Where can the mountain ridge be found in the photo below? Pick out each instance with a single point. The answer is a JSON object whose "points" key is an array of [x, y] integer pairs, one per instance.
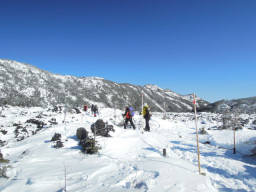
{"points": [[23, 84], [26, 85]]}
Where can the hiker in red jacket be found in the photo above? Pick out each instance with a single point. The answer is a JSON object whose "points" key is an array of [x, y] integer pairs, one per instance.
{"points": [[128, 117], [85, 107]]}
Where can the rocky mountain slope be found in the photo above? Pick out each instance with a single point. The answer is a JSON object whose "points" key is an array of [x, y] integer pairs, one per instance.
{"points": [[25, 85]]}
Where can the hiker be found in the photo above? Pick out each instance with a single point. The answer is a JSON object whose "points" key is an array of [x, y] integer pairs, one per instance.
{"points": [[128, 117], [95, 110], [85, 108], [146, 114], [92, 108]]}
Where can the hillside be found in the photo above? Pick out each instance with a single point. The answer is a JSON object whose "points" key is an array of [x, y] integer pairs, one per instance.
{"points": [[25, 85]]}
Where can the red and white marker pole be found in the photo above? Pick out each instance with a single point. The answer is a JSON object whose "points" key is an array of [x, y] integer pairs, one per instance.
{"points": [[142, 102]]}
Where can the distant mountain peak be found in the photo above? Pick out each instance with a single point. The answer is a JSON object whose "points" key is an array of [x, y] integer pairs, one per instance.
{"points": [[153, 87]]}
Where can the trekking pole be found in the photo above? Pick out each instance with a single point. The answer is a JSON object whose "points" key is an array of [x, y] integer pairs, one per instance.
{"points": [[197, 140]]}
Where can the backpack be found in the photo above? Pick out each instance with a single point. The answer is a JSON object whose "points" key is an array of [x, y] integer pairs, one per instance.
{"points": [[131, 111], [144, 110]]}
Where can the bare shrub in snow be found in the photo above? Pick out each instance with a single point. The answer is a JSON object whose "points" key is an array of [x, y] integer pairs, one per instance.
{"points": [[89, 146], [3, 171], [56, 137]]}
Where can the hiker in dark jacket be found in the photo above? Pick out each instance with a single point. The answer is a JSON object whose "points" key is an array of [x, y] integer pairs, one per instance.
{"points": [[92, 107], [95, 110], [128, 117], [146, 114]]}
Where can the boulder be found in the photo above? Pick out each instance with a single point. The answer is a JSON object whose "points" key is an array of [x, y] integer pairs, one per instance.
{"points": [[102, 129], [81, 133]]}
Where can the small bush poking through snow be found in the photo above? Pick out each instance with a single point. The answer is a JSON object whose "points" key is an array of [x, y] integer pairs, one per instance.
{"points": [[4, 132], [53, 121], [203, 131], [77, 111], [89, 146], [3, 171], [56, 137], [2, 143], [58, 144]]}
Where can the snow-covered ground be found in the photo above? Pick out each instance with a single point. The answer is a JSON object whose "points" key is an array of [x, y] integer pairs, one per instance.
{"points": [[129, 160]]}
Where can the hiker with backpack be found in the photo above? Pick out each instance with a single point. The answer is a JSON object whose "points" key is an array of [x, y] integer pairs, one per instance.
{"points": [[146, 114], [95, 110], [128, 117]]}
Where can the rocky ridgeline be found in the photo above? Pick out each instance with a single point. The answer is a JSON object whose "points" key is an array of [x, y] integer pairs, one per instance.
{"points": [[24, 85], [244, 105]]}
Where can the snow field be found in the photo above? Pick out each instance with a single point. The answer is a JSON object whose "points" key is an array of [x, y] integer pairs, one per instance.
{"points": [[129, 160]]}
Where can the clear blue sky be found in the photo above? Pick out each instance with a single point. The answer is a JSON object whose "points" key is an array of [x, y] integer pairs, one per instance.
{"points": [[202, 46]]}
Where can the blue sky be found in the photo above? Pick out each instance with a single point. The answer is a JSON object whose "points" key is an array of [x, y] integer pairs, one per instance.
{"points": [[202, 46]]}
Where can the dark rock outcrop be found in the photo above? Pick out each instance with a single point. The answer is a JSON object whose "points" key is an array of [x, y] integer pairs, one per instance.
{"points": [[81, 133], [102, 129], [38, 123]]}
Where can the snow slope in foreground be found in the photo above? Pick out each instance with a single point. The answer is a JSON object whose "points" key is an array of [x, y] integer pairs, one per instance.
{"points": [[127, 161]]}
